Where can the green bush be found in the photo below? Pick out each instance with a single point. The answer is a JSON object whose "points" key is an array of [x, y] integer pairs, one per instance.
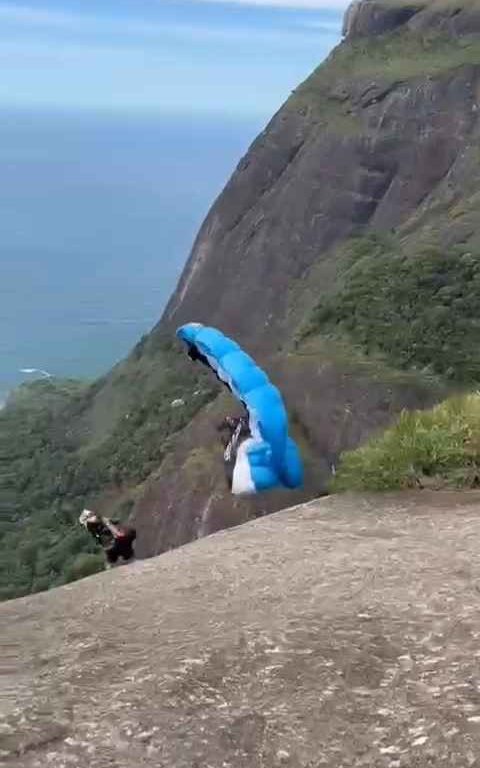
{"points": [[419, 310], [436, 447]]}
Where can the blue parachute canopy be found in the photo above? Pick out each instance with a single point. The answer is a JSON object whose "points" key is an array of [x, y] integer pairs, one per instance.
{"points": [[269, 458]]}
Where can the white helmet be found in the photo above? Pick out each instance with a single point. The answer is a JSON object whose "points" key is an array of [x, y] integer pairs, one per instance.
{"points": [[86, 516]]}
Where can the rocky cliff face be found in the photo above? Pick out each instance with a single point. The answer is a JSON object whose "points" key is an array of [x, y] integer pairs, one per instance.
{"points": [[368, 18], [362, 143], [343, 633]]}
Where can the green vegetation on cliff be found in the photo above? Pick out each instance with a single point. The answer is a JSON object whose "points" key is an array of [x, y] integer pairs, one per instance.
{"points": [[419, 309], [379, 63], [49, 473], [435, 448]]}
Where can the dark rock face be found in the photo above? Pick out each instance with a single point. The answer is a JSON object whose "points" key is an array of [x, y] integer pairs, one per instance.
{"points": [[367, 18], [341, 633], [303, 187], [370, 18], [455, 20]]}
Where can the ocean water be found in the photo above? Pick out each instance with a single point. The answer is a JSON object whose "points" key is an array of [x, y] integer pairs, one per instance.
{"points": [[97, 216]]}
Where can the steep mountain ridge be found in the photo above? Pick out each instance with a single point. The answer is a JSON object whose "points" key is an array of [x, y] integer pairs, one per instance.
{"points": [[380, 142], [382, 137], [362, 142]]}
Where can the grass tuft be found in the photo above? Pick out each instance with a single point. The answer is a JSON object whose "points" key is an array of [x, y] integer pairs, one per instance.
{"points": [[435, 448]]}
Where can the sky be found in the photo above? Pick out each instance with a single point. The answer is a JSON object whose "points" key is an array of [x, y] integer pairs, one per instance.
{"points": [[237, 57]]}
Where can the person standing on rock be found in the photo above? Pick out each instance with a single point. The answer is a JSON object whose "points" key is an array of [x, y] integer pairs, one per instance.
{"points": [[115, 539]]}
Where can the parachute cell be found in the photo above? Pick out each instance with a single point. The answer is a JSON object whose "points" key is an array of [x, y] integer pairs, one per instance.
{"points": [[269, 457]]}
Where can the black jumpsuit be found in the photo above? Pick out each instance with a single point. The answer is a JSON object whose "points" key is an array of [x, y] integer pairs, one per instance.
{"points": [[114, 546]]}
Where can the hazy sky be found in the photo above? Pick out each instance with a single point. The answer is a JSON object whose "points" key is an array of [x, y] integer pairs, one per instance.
{"points": [[237, 57]]}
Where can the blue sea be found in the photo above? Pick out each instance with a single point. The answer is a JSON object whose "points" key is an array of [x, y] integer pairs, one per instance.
{"points": [[97, 216]]}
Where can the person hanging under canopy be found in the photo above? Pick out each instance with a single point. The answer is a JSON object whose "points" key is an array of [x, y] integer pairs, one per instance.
{"points": [[259, 454]]}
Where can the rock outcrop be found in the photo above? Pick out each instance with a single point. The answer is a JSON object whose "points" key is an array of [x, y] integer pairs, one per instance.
{"points": [[342, 633], [369, 18]]}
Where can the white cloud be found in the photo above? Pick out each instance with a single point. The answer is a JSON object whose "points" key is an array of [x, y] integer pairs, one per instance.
{"points": [[311, 5], [22, 14], [31, 16], [195, 32], [110, 62]]}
